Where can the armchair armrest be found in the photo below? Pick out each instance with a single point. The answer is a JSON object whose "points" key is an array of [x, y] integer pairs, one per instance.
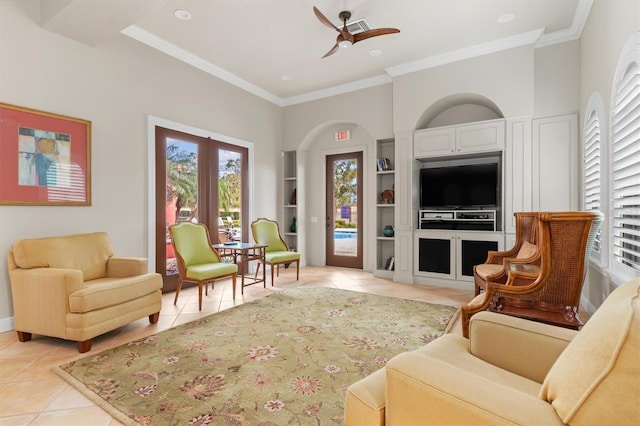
{"points": [[524, 347], [43, 291], [497, 257], [442, 383], [120, 267]]}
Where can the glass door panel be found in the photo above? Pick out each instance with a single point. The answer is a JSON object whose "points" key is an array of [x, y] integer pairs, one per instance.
{"points": [[230, 186], [181, 201], [344, 212]]}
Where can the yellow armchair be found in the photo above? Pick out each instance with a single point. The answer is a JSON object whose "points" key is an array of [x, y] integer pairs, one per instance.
{"points": [[73, 287], [514, 371]]}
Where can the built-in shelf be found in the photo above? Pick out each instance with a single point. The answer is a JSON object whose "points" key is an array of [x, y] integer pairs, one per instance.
{"points": [[289, 187], [385, 211]]}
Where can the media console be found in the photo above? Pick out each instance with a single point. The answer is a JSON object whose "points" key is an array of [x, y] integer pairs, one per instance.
{"points": [[464, 220]]}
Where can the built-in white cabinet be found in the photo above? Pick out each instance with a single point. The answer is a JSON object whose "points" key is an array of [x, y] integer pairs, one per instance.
{"points": [[483, 136], [517, 170], [451, 255], [385, 208], [289, 225], [556, 168]]}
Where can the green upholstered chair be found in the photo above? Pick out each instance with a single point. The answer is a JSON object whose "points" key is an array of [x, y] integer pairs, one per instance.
{"points": [[277, 252], [198, 261]]}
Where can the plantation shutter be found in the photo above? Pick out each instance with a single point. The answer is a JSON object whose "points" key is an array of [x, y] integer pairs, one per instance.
{"points": [[592, 170], [625, 163]]}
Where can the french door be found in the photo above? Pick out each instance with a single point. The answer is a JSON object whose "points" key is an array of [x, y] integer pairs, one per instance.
{"points": [[199, 180], [344, 210]]}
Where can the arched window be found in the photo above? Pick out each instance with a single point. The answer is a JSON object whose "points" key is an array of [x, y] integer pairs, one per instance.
{"points": [[595, 195], [625, 162]]}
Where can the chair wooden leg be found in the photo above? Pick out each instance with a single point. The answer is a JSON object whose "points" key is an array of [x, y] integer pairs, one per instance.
{"points": [[278, 270], [272, 268], [153, 318], [257, 270], [233, 285], [175, 300], [23, 336], [84, 346], [264, 275], [200, 295], [298, 270]]}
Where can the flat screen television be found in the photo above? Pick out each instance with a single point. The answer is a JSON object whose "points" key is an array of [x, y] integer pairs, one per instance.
{"points": [[460, 186]]}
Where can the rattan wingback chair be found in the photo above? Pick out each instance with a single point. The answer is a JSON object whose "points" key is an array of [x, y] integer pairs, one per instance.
{"points": [[550, 293], [523, 251]]}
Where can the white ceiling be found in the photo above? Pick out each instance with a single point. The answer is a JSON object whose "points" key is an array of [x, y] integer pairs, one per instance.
{"points": [[254, 43]]}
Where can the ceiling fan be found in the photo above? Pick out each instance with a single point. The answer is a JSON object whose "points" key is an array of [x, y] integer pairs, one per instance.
{"points": [[345, 38]]}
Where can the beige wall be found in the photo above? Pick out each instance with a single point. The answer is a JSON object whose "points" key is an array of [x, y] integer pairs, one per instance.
{"points": [[369, 108], [116, 85], [506, 78], [556, 86]]}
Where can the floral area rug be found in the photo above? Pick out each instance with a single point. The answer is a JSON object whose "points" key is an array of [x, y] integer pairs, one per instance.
{"points": [[284, 359]]}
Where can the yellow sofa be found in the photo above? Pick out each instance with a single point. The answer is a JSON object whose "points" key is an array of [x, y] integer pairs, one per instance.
{"points": [[73, 287], [514, 371]]}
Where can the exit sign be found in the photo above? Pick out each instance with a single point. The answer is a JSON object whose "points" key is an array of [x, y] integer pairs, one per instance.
{"points": [[343, 135]]}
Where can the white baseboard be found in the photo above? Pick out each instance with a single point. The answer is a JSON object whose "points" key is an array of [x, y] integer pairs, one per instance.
{"points": [[6, 324]]}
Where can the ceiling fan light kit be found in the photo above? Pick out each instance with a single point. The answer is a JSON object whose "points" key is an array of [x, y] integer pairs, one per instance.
{"points": [[345, 39]]}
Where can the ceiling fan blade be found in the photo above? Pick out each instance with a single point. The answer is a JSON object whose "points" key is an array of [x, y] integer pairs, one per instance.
{"points": [[331, 52], [373, 33], [324, 19]]}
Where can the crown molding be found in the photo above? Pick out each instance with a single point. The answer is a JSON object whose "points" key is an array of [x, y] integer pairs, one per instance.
{"points": [[171, 49], [574, 32], [536, 37], [338, 90], [467, 53]]}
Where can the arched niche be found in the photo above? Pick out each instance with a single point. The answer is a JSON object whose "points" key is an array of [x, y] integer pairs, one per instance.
{"points": [[457, 109]]}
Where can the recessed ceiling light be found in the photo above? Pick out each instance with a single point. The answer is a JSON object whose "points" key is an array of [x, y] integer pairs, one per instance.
{"points": [[182, 14], [507, 17], [375, 52], [286, 77]]}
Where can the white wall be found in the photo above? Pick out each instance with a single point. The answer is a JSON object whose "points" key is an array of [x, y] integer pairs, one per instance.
{"points": [[116, 85], [609, 27]]}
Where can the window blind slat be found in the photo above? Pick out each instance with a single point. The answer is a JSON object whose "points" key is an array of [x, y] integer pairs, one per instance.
{"points": [[625, 167]]}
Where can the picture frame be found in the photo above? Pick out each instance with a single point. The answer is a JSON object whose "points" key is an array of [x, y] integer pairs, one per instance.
{"points": [[45, 158]]}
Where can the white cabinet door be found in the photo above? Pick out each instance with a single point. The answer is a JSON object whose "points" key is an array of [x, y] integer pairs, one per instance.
{"points": [[451, 254], [472, 249], [434, 142], [480, 137], [434, 254], [555, 163], [517, 170], [483, 136]]}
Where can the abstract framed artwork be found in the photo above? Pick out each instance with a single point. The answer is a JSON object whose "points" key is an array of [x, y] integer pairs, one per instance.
{"points": [[45, 158]]}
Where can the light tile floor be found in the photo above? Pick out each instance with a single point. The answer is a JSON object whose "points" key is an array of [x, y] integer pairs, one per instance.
{"points": [[30, 394]]}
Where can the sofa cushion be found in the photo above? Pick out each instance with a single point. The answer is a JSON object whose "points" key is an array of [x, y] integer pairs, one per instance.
{"points": [[86, 252], [105, 292], [596, 379]]}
